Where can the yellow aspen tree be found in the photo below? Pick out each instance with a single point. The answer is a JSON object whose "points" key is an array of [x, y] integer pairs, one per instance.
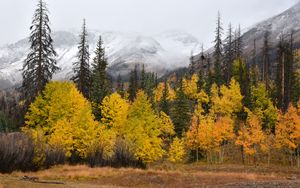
{"points": [[190, 87], [142, 130], [223, 132], [226, 100], [166, 126], [177, 151], [114, 111], [59, 112], [251, 136], [158, 92], [287, 131]]}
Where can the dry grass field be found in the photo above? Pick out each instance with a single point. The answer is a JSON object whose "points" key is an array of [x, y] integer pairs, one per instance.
{"points": [[157, 176]]}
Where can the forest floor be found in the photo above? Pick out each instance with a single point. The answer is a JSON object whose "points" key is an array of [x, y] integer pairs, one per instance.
{"points": [[192, 175]]}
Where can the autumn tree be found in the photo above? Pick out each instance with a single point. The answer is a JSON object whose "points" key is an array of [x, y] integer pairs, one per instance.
{"points": [[177, 151], [262, 106], [62, 118], [251, 137], [40, 64], [227, 100], [114, 110], [287, 131], [142, 130]]}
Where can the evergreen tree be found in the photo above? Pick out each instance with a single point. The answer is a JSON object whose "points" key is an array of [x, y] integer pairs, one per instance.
{"points": [[218, 53], [164, 103], [280, 79], [82, 77], [238, 44], [133, 84], [266, 60], [143, 78], [192, 65], [254, 71], [100, 84], [120, 86], [40, 64], [229, 55], [181, 111]]}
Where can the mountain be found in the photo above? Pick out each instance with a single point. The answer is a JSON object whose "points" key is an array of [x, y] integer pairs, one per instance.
{"points": [[281, 24], [161, 53]]}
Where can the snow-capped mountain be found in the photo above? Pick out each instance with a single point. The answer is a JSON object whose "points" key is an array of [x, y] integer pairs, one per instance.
{"points": [[160, 53], [281, 24]]}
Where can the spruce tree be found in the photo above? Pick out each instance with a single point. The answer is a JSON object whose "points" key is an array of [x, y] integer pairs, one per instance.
{"points": [[238, 44], [181, 114], [100, 84], [229, 55], [40, 64], [266, 60], [192, 65], [82, 73], [133, 84], [164, 103], [143, 78], [218, 53]]}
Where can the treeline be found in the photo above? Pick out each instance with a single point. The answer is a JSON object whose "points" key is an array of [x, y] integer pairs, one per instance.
{"points": [[225, 108]]}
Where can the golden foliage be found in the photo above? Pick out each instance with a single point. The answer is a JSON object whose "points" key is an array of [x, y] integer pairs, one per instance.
{"points": [[177, 151], [251, 136]]}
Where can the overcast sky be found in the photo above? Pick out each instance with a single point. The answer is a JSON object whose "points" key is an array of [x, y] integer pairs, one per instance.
{"points": [[145, 16]]}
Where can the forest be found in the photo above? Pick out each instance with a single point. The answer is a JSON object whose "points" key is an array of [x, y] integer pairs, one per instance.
{"points": [[228, 107]]}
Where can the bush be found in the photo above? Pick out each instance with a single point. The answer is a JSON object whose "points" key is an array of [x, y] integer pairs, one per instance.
{"points": [[16, 152]]}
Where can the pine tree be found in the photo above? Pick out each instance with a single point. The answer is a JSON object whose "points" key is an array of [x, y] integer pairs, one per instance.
{"points": [[164, 103], [82, 73], [238, 44], [143, 78], [181, 111], [120, 86], [281, 61], [229, 54], [192, 65], [40, 64], [218, 53], [100, 84], [133, 84]]}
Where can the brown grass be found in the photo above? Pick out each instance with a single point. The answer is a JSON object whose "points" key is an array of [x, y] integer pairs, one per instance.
{"points": [[176, 176]]}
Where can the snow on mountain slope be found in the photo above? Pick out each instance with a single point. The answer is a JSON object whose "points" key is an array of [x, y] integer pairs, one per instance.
{"points": [[160, 53], [280, 24]]}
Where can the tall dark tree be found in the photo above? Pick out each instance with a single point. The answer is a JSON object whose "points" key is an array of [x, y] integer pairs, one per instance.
{"points": [[280, 78], [82, 73], [143, 78], [100, 84], [192, 65], [266, 60], [120, 86], [218, 53], [254, 70], [164, 103], [229, 54], [133, 83], [40, 64], [238, 44], [181, 114]]}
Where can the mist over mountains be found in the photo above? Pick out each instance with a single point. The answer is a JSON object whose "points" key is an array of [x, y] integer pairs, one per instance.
{"points": [[160, 53]]}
